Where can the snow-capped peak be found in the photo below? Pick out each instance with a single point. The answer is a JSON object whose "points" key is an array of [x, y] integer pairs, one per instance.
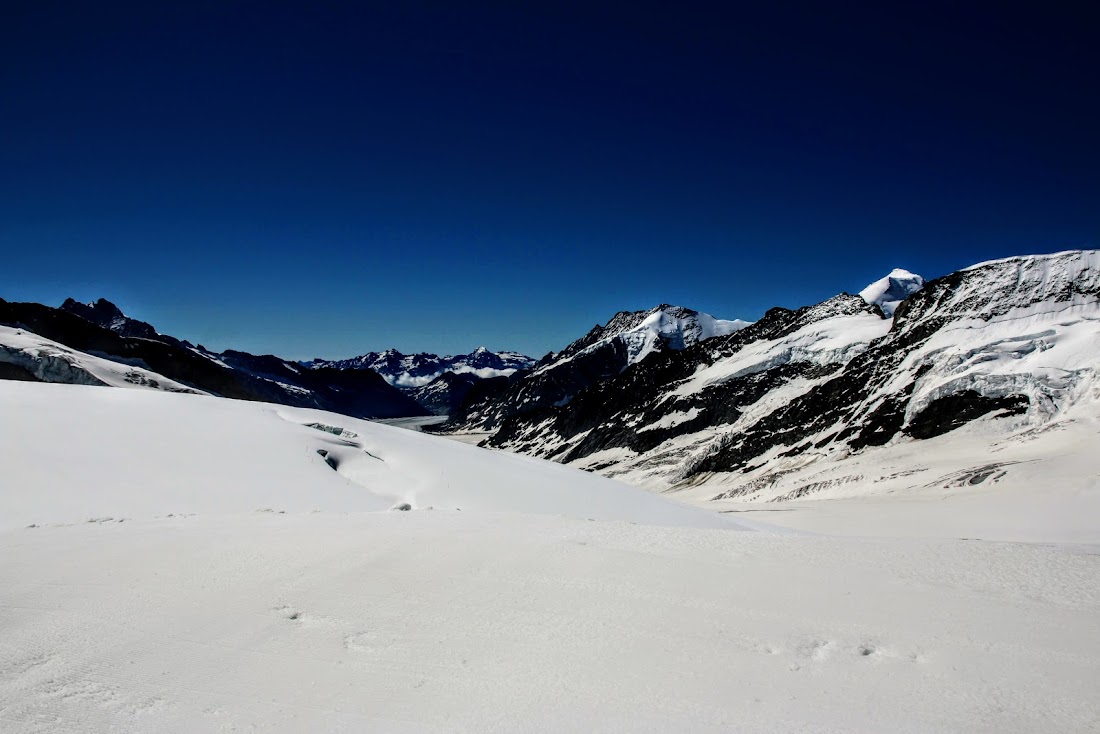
{"points": [[887, 293], [643, 332], [680, 327]]}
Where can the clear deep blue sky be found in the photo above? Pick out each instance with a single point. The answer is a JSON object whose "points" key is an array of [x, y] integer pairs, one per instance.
{"points": [[324, 179]]}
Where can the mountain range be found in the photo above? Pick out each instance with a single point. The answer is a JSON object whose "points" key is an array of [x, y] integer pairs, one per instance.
{"points": [[439, 384], [417, 370], [674, 399], [1004, 348], [79, 343]]}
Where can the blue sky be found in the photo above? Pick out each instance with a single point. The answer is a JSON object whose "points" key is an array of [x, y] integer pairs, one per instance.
{"points": [[325, 179]]}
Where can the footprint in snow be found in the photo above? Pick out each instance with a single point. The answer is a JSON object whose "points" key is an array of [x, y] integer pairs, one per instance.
{"points": [[867, 650], [814, 649], [288, 613], [357, 642]]}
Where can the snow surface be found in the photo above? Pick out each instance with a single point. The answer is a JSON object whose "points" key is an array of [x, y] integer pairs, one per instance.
{"points": [[73, 453], [252, 587], [448, 621], [982, 481]]}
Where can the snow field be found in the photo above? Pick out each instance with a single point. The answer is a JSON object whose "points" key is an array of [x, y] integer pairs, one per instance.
{"points": [[72, 453], [465, 621]]}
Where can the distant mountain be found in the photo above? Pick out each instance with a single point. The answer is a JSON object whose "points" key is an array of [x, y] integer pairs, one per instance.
{"points": [[437, 384], [417, 370], [627, 339], [101, 330], [1002, 348]]}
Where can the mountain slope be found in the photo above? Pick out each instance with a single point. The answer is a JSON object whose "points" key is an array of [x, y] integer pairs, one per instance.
{"points": [[1013, 341], [708, 384], [1011, 337]]}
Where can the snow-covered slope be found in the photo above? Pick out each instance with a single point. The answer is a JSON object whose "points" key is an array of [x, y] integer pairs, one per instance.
{"points": [[417, 370], [195, 565], [1011, 344], [986, 479], [48, 361], [90, 453], [888, 293]]}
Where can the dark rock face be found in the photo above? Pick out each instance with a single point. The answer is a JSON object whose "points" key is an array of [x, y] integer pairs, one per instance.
{"points": [[239, 375], [106, 314], [951, 411], [10, 371]]}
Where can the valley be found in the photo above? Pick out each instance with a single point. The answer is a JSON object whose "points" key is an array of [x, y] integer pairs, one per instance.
{"points": [[830, 519]]}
